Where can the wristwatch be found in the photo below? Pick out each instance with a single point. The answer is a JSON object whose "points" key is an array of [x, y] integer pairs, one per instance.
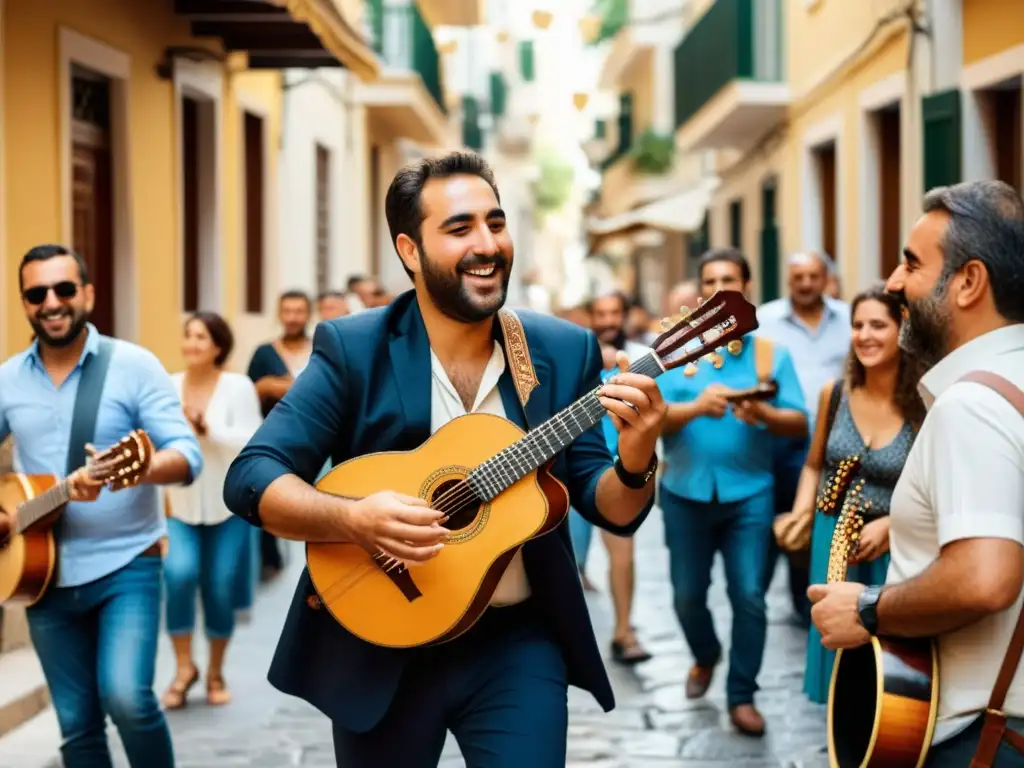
{"points": [[867, 608], [636, 480]]}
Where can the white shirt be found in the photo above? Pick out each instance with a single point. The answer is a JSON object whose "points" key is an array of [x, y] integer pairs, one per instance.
{"points": [[232, 416], [964, 478], [445, 405]]}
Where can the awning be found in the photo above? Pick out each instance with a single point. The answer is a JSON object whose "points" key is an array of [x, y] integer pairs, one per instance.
{"points": [[280, 34], [681, 212]]}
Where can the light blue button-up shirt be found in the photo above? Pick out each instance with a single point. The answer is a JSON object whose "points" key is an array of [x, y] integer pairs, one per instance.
{"points": [[98, 537], [724, 459], [819, 354]]}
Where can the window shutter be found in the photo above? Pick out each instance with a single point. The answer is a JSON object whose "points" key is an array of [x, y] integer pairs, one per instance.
{"points": [[942, 143]]}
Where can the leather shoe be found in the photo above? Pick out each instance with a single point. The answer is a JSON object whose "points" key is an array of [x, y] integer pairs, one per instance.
{"points": [[698, 681], [747, 720]]}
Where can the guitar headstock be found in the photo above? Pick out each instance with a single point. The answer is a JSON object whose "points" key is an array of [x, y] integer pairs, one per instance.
{"points": [[124, 463], [837, 485], [723, 318], [846, 537]]}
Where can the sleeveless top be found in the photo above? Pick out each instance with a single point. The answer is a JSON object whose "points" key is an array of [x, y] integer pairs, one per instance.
{"points": [[880, 468]]}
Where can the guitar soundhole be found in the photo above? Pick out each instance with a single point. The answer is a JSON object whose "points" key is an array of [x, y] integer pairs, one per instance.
{"points": [[853, 715], [455, 497]]}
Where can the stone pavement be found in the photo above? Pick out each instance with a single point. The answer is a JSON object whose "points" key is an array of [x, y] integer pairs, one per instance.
{"points": [[653, 725]]}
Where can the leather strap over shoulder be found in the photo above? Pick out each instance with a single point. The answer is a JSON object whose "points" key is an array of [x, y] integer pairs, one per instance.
{"points": [[994, 729], [518, 354], [763, 354]]}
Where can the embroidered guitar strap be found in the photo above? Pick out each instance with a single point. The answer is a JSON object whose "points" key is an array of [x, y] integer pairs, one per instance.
{"points": [[518, 355]]}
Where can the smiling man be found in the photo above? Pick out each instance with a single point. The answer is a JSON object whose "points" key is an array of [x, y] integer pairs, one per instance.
{"points": [[385, 380], [95, 630], [957, 535]]}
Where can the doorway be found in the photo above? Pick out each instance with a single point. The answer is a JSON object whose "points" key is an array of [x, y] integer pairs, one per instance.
{"points": [[824, 163], [769, 241], [888, 158], [1001, 117], [92, 189]]}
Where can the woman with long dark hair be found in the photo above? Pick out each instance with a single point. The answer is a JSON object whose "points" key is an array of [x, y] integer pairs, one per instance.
{"points": [[873, 413], [208, 546]]}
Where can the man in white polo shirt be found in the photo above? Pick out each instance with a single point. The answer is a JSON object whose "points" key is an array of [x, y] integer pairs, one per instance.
{"points": [[957, 537]]}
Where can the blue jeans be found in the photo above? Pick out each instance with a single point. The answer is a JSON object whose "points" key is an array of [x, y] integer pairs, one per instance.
{"points": [[957, 751], [208, 558], [97, 646], [581, 532], [741, 531]]}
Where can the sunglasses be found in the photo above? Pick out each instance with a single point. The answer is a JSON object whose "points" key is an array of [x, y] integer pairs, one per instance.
{"points": [[37, 294]]}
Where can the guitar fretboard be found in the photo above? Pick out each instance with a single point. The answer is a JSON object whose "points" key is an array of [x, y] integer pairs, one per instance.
{"points": [[32, 511], [541, 444]]}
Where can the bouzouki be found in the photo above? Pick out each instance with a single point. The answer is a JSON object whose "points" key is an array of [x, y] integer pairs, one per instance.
{"points": [[28, 557], [883, 696], [494, 484]]}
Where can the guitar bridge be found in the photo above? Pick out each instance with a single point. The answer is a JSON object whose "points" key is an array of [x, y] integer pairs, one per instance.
{"points": [[399, 574]]}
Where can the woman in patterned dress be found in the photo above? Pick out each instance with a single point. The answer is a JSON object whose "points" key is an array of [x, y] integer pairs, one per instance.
{"points": [[873, 413]]}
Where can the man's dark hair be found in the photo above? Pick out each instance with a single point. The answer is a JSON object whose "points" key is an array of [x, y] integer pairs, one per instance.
{"points": [[731, 255], [220, 333], [986, 224], [616, 294], [403, 204], [333, 293], [295, 294], [356, 280], [47, 252]]}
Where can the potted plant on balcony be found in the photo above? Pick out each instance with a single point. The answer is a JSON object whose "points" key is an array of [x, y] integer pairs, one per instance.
{"points": [[653, 153]]}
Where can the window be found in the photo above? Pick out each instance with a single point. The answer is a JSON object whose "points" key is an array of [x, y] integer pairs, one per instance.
{"points": [[323, 218]]}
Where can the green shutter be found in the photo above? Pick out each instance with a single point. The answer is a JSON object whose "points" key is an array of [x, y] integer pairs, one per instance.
{"points": [[600, 129], [625, 123], [942, 143], [526, 65], [498, 94], [736, 224]]}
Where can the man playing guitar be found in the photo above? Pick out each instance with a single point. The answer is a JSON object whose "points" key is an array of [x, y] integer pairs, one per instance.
{"points": [[95, 631], [957, 535], [386, 379]]}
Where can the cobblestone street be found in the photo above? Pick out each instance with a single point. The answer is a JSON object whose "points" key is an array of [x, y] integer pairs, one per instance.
{"points": [[653, 725]]}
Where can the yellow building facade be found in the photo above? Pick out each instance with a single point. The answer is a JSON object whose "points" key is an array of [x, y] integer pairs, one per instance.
{"points": [[146, 136], [832, 147]]}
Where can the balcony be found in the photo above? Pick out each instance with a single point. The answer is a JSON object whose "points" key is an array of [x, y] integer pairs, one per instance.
{"points": [[730, 83], [407, 100], [453, 13]]}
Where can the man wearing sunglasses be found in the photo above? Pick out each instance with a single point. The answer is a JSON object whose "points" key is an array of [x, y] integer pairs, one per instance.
{"points": [[95, 630]]}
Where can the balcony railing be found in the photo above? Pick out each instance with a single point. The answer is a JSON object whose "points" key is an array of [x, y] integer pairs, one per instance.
{"points": [[472, 134], [402, 38], [734, 40]]}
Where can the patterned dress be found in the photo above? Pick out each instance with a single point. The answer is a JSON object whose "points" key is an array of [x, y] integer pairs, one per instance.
{"points": [[880, 469]]}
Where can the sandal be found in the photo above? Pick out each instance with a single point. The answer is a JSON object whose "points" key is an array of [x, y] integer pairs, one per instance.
{"points": [[176, 696], [217, 693], [629, 653]]}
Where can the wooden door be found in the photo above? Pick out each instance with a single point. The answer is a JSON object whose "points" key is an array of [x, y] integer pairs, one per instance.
{"points": [[92, 200]]}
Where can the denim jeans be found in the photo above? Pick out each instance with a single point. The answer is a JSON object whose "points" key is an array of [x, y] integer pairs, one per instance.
{"points": [[741, 531], [97, 646], [957, 751], [581, 531], [206, 558]]}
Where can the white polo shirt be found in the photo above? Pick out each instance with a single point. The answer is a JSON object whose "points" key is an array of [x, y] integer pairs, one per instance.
{"points": [[964, 478], [445, 405]]}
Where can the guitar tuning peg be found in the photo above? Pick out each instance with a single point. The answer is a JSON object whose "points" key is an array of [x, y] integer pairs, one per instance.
{"points": [[684, 310], [700, 301], [666, 323]]}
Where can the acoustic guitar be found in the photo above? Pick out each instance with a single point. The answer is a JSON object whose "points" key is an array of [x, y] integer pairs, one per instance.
{"points": [[493, 482], [28, 557], [883, 696]]}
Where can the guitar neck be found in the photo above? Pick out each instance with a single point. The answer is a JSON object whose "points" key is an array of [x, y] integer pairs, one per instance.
{"points": [[33, 510], [541, 444]]}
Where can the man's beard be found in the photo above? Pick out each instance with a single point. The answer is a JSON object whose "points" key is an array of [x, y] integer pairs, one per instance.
{"points": [[618, 340], [79, 319], [449, 293], [924, 333]]}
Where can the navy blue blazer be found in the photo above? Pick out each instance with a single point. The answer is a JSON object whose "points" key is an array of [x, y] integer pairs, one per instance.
{"points": [[367, 389]]}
